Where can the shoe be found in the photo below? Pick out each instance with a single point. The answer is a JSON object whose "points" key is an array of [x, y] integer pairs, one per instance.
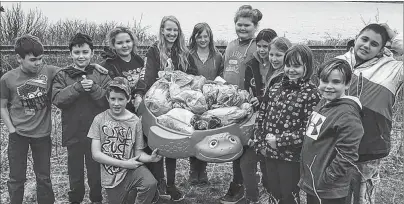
{"points": [[96, 202], [203, 178], [234, 195], [162, 189], [193, 177], [175, 194], [248, 201], [156, 197]]}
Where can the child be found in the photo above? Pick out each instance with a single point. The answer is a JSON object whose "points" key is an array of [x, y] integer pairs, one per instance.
{"points": [[332, 138], [255, 79], [207, 59], [281, 124], [79, 90], [238, 52], [117, 144], [169, 53], [121, 59], [376, 81], [26, 111]]}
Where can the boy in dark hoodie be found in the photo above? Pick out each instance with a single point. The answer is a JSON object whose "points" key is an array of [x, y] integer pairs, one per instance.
{"points": [[333, 134], [79, 91]]}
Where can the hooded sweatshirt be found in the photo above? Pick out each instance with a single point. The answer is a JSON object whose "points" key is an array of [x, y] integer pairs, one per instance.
{"points": [[330, 148], [376, 83], [78, 107]]}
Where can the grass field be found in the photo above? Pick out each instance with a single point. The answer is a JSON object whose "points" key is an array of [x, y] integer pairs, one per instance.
{"points": [[391, 189]]}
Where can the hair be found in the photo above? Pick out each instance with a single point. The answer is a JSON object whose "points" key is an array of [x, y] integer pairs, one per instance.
{"points": [[28, 44], [114, 32], [325, 69], [266, 34], [350, 44], [179, 44], [379, 30], [198, 29], [246, 11], [80, 39], [298, 54], [116, 90], [281, 43]]}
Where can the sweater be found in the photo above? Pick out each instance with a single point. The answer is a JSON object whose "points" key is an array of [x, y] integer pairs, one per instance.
{"points": [[209, 69]]}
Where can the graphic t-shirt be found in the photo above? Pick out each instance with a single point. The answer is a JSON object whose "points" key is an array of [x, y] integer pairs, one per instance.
{"points": [[29, 100], [119, 139]]}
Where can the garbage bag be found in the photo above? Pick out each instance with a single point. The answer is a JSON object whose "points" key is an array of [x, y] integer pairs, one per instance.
{"points": [[174, 124], [198, 82], [157, 99], [227, 115], [205, 122], [180, 114], [195, 100]]}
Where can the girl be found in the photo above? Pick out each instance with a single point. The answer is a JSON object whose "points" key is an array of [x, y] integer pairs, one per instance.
{"points": [[169, 53], [121, 59], [238, 52], [207, 59], [281, 124], [255, 74]]}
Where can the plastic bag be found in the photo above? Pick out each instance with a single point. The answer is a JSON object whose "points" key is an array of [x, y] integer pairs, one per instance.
{"points": [[206, 122], [198, 82], [181, 115], [178, 77], [228, 96], [195, 100], [157, 99], [227, 115], [174, 124], [210, 92]]}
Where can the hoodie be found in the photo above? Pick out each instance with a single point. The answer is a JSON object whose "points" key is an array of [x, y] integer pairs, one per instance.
{"points": [[376, 83], [78, 107], [330, 148]]}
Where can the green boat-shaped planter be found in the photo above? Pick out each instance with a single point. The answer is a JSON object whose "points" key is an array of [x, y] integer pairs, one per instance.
{"points": [[218, 145]]}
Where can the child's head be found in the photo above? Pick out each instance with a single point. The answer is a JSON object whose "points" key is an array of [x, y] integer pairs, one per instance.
{"points": [[118, 95], [29, 52], [298, 62], [370, 42], [246, 21], [263, 39], [335, 76], [81, 50], [277, 50], [202, 37], [350, 44], [122, 41]]}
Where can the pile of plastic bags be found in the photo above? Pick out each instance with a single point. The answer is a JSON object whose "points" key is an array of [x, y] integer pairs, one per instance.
{"points": [[186, 103]]}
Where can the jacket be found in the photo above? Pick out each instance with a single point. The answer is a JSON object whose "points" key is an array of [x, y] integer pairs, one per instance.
{"points": [[78, 106], [330, 148]]}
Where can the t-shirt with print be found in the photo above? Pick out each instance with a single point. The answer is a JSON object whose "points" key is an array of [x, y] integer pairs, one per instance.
{"points": [[237, 54], [28, 98], [119, 139]]}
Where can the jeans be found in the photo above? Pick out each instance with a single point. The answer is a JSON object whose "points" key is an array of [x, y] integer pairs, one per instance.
{"points": [[77, 154], [364, 183], [314, 200], [17, 157], [139, 186]]}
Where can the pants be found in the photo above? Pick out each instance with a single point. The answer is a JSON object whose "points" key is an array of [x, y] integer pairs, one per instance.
{"points": [[197, 165], [139, 186], [17, 157], [248, 163], [283, 177], [77, 153], [314, 200], [364, 183], [157, 168]]}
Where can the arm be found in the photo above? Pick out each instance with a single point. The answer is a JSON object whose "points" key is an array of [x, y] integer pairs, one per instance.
{"points": [[349, 132], [397, 44], [145, 158], [221, 67], [295, 138], [5, 115], [98, 91], [62, 94], [192, 69]]}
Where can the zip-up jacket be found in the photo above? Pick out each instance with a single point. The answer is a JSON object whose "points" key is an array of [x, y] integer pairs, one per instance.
{"points": [[330, 148]]}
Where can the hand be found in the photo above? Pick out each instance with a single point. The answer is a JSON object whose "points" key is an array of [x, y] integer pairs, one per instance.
{"points": [[133, 163], [100, 68], [250, 142], [11, 130], [154, 157], [136, 101], [390, 31], [254, 101], [87, 84], [271, 140]]}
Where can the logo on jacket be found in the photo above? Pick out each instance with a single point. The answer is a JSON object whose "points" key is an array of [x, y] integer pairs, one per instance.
{"points": [[33, 93], [314, 126]]}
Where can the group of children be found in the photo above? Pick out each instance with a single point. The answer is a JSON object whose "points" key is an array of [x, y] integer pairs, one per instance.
{"points": [[326, 140]]}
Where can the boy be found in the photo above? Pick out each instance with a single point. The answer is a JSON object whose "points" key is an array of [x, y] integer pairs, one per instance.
{"points": [[376, 81], [331, 144], [26, 111], [79, 90], [117, 144]]}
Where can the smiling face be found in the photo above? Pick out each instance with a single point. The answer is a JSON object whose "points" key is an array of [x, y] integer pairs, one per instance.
{"points": [[221, 147], [202, 40], [295, 71], [81, 55], [117, 102], [367, 45], [276, 57], [30, 63], [334, 86], [263, 49], [123, 44], [170, 31], [245, 28]]}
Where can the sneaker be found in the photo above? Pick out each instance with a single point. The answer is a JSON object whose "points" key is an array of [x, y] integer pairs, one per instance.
{"points": [[193, 177], [162, 189], [175, 194], [234, 194], [248, 201], [203, 178]]}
